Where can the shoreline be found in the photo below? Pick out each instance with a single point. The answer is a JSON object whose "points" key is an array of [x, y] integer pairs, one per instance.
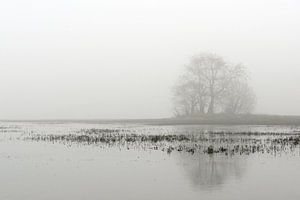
{"points": [[219, 119]]}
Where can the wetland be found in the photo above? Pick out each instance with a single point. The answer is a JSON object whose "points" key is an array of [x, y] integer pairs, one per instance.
{"points": [[72, 160]]}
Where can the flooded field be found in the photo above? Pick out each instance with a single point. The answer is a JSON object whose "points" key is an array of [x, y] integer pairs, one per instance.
{"points": [[68, 160]]}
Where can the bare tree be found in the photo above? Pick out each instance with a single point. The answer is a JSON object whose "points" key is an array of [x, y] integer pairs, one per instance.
{"points": [[209, 84], [185, 97], [240, 99], [210, 70]]}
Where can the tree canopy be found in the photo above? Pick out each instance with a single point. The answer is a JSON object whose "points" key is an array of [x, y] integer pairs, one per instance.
{"points": [[211, 85]]}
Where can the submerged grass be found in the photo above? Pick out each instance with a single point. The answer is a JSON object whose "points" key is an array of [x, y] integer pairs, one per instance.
{"points": [[228, 143]]}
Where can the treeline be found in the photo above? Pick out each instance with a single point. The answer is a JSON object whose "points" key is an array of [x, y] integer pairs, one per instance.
{"points": [[211, 85]]}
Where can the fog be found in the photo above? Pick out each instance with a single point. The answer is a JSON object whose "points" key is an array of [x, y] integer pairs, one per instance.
{"points": [[119, 59]]}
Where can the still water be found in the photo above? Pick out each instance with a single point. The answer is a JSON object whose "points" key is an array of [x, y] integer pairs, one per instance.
{"points": [[50, 170]]}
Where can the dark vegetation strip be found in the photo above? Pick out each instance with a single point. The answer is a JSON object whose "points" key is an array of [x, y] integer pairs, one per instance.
{"points": [[227, 143]]}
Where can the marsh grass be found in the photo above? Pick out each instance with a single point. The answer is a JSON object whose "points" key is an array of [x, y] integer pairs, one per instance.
{"points": [[228, 143]]}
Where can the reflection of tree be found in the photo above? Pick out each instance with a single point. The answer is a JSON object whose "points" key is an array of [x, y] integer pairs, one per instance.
{"points": [[212, 170]]}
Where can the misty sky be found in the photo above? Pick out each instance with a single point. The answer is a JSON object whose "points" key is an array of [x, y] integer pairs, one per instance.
{"points": [[120, 58]]}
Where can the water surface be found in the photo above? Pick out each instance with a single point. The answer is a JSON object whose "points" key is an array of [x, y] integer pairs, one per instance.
{"points": [[54, 170]]}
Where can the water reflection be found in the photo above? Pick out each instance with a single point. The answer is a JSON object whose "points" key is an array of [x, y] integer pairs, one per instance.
{"points": [[212, 171]]}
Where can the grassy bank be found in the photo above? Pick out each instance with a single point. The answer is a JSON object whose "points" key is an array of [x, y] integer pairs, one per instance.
{"points": [[217, 119], [223, 119]]}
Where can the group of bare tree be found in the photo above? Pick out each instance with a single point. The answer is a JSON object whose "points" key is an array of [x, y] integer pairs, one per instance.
{"points": [[211, 85]]}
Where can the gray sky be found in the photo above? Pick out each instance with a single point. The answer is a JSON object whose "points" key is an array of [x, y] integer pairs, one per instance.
{"points": [[119, 59]]}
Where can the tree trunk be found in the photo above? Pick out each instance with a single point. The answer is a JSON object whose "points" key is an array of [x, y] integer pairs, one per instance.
{"points": [[211, 108]]}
